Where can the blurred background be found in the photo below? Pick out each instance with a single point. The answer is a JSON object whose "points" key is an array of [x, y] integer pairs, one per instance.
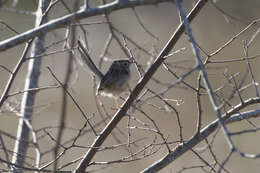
{"points": [[211, 28]]}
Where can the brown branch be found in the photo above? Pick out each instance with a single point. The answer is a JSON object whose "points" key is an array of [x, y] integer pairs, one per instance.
{"points": [[137, 90], [204, 133], [14, 73], [80, 14]]}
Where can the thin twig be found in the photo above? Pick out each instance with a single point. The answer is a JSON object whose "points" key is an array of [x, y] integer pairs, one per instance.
{"points": [[136, 91], [74, 101]]}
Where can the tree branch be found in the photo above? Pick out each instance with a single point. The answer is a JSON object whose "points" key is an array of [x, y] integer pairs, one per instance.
{"points": [[137, 90], [80, 14]]}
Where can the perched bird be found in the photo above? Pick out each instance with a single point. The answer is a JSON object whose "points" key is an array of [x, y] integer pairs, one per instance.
{"points": [[114, 81]]}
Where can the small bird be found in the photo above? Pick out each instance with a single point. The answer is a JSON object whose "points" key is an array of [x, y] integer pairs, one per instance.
{"points": [[115, 80]]}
